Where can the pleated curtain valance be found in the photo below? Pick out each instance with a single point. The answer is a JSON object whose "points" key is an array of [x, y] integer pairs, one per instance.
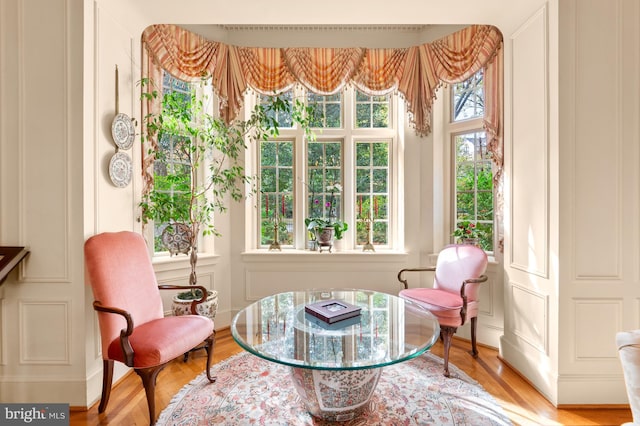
{"points": [[415, 72]]}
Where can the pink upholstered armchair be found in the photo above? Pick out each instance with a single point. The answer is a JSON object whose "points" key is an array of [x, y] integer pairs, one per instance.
{"points": [[453, 299], [133, 327]]}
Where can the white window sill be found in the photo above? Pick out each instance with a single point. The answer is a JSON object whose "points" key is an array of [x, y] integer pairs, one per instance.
{"points": [[166, 262], [343, 256]]}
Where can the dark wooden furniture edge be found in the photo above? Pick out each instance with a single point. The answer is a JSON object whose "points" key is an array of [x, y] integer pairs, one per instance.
{"points": [[10, 257]]}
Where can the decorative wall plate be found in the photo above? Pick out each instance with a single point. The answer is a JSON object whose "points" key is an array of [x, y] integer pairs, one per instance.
{"points": [[120, 169], [176, 237], [123, 131]]}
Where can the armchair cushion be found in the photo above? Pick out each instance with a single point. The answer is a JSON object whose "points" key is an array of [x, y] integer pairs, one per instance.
{"points": [[444, 305], [161, 340], [440, 302]]}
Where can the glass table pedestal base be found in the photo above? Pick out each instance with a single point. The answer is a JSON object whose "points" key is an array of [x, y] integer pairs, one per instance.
{"points": [[335, 395]]}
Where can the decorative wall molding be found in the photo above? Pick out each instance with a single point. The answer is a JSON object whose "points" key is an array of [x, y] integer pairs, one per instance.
{"points": [[595, 338], [532, 328], [40, 345], [597, 198], [530, 134], [45, 148]]}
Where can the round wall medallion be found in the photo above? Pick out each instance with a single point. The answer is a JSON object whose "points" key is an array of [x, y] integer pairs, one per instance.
{"points": [[120, 169]]}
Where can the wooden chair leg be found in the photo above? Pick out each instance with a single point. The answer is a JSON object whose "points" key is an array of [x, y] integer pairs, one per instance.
{"points": [[149, 376], [447, 335], [107, 379], [209, 346], [474, 348]]}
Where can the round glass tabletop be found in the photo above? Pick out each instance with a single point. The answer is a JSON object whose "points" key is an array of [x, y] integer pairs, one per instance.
{"points": [[387, 330]]}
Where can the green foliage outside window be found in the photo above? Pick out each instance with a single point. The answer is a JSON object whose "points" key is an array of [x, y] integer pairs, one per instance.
{"points": [[372, 111], [474, 185], [372, 192]]}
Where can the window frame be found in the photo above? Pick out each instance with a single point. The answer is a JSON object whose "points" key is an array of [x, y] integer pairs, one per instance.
{"points": [[205, 243], [451, 129], [349, 135]]}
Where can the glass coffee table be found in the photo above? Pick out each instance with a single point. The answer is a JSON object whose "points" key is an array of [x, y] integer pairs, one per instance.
{"points": [[335, 367]]}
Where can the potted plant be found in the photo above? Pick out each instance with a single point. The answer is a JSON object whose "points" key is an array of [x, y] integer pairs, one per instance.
{"points": [[325, 230], [196, 178], [467, 232]]}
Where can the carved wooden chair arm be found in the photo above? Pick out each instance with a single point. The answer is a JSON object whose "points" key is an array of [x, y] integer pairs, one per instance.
{"points": [[420, 269], [480, 279], [463, 311], [127, 350], [196, 302]]}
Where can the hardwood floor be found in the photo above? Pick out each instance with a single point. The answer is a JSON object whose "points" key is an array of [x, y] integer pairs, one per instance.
{"points": [[522, 403]]}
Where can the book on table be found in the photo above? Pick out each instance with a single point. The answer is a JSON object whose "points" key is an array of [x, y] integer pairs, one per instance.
{"points": [[332, 310], [332, 326]]}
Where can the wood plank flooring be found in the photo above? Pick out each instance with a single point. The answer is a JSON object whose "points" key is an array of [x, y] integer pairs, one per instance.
{"points": [[522, 403]]}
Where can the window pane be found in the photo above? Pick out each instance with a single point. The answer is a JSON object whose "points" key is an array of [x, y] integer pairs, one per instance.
{"points": [[363, 180], [268, 154], [282, 117], [381, 154], [372, 111], [465, 205], [328, 110], [363, 155], [268, 180], [380, 180], [468, 98], [380, 115], [363, 115], [465, 179]]}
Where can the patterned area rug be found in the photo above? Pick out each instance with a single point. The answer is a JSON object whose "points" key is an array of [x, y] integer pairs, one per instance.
{"points": [[250, 390]]}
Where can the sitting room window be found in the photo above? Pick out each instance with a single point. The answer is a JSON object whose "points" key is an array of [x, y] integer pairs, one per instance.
{"points": [[472, 161], [172, 177], [344, 172]]}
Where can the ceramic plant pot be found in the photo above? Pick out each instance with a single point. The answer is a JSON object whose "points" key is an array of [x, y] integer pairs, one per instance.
{"points": [[208, 308]]}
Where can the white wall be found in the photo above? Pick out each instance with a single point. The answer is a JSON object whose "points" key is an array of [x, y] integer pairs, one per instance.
{"points": [[54, 191], [571, 269]]}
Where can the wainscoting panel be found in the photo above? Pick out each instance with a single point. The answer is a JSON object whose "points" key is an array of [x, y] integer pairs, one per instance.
{"points": [[595, 338], [530, 168], [44, 343], [487, 290], [597, 198], [531, 321], [45, 171]]}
